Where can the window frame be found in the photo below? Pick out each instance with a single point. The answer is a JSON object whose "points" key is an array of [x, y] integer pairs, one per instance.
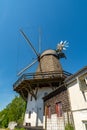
{"points": [[29, 116], [58, 109], [48, 111]]}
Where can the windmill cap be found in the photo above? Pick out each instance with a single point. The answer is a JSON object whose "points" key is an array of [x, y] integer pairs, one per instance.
{"points": [[49, 52]]}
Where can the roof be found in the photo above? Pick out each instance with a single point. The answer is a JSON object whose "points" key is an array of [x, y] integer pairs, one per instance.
{"points": [[77, 74], [49, 52], [60, 89]]}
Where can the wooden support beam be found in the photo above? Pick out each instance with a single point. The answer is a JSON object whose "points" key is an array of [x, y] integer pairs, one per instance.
{"points": [[22, 94], [33, 92]]}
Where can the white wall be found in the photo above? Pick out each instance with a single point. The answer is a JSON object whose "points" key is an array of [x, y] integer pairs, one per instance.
{"points": [[79, 118], [78, 105], [54, 123], [76, 97], [36, 108]]}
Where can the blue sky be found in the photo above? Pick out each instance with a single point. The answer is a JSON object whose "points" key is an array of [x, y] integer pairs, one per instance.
{"points": [[58, 20]]}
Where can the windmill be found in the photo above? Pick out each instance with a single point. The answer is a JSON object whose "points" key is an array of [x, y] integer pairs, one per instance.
{"points": [[34, 86], [60, 46]]}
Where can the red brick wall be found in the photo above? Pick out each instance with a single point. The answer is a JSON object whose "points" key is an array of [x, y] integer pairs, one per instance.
{"points": [[60, 97]]}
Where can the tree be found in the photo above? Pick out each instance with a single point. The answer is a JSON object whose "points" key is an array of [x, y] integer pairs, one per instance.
{"points": [[13, 112]]}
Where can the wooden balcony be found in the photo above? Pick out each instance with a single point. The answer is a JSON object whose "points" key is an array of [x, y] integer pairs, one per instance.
{"points": [[30, 81], [41, 77]]}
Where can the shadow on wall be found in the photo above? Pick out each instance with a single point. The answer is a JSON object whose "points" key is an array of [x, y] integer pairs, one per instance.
{"points": [[36, 111]]}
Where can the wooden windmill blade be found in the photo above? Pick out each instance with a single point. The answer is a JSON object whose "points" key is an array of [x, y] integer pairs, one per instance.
{"points": [[39, 45], [39, 40], [28, 41], [32, 47], [27, 67]]}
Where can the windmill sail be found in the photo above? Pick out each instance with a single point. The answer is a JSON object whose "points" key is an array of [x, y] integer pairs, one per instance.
{"points": [[27, 67], [28, 41]]}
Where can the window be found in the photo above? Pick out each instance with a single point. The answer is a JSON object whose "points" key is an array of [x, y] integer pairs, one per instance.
{"points": [[45, 94], [59, 109], [83, 87], [48, 111], [86, 80], [31, 98], [29, 114], [28, 124], [86, 126], [83, 84]]}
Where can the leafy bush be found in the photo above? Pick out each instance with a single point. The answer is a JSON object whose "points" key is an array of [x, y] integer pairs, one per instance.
{"points": [[69, 127]]}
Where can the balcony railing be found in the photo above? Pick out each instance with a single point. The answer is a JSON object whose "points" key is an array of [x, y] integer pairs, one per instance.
{"points": [[41, 75]]}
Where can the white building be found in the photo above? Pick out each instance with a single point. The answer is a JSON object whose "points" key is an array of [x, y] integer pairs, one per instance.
{"points": [[77, 88]]}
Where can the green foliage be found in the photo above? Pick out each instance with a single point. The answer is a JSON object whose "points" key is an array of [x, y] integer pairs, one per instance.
{"points": [[13, 112], [69, 127], [19, 129], [7, 129], [16, 129]]}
